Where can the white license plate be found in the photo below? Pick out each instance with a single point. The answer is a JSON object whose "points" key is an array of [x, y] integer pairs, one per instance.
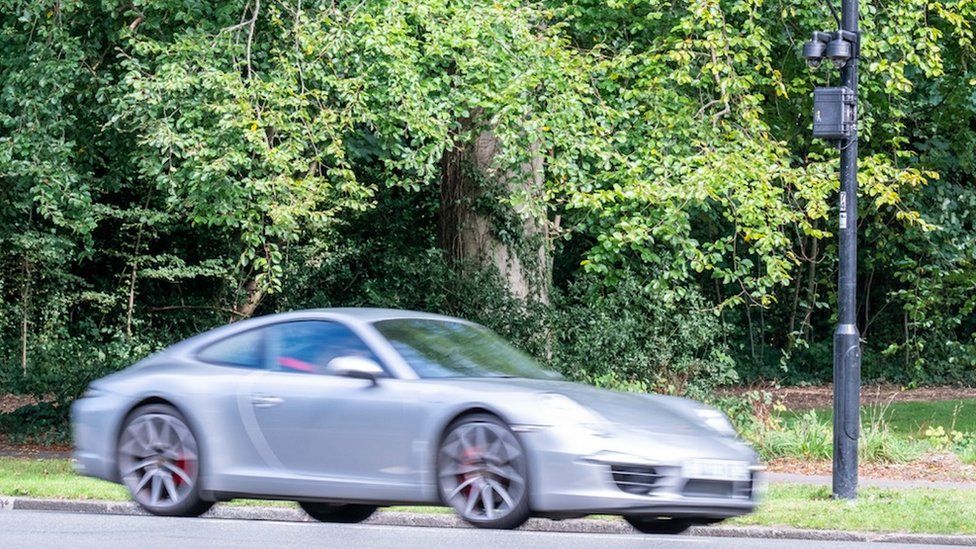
{"points": [[716, 469]]}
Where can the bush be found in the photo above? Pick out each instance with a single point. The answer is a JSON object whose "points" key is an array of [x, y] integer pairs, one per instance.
{"points": [[968, 453], [879, 445], [751, 411], [59, 371], [632, 337], [624, 338], [41, 423], [807, 437], [963, 444], [621, 336]]}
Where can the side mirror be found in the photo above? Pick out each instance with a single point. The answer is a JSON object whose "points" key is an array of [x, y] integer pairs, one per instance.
{"points": [[356, 367]]}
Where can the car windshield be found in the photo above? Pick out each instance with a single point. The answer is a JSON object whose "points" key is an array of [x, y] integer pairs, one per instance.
{"points": [[441, 348]]}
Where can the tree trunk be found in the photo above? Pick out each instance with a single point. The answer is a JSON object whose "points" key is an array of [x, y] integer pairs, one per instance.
{"points": [[469, 235], [811, 299], [25, 298], [252, 298]]}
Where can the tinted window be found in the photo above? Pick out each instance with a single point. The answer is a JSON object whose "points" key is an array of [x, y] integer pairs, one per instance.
{"points": [[437, 348], [242, 350], [309, 346]]}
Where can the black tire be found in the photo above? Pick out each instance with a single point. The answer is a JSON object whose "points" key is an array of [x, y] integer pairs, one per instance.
{"points": [[501, 473], [186, 487], [655, 525], [337, 512]]}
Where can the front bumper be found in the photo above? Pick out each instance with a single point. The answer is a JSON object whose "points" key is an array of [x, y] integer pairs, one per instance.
{"points": [[565, 483], [94, 430]]}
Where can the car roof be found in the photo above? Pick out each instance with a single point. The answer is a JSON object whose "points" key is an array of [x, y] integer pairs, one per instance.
{"points": [[374, 314], [366, 315]]}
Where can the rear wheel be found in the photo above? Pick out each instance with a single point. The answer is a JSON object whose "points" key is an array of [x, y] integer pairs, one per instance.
{"points": [[655, 525], [159, 462], [337, 512], [482, 473]]}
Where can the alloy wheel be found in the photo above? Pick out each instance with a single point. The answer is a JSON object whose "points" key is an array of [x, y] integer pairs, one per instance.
{"points": [[482, 474], [159, 462]]}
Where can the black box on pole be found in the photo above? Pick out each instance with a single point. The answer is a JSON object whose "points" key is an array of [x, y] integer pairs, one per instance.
{"points": [[834, 113]]}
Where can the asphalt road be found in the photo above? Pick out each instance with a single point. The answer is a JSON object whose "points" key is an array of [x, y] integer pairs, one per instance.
{"points": [[43, 529]]}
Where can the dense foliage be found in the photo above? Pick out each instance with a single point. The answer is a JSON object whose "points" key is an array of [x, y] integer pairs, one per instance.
{"points": [[171, 165]]}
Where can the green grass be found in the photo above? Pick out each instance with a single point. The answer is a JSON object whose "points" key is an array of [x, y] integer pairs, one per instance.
{"points": [[52, 478], [809, 436], [910, 419], [55, 479], [919, 510], [894, 432]]}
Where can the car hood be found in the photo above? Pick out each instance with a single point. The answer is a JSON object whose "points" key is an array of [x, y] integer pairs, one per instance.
{"points": [[628, 411]]}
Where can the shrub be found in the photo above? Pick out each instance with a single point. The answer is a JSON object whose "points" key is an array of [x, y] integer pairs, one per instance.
{"points": [[41, 423], [751, 411], [807, 437], [879, 445], [963, 444], [623, 336], [968, 453], [61, 368], [634, 337]]}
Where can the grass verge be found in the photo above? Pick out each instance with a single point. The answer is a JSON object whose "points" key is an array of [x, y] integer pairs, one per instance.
{"points": [[899, 432], [52, 478], [919, 510], [56, 479], [913, 418]]}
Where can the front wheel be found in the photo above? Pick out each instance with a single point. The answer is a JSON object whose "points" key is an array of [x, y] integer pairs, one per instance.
{"points": [[482, 473], [654, 525], [337, 512], [159, 462]]}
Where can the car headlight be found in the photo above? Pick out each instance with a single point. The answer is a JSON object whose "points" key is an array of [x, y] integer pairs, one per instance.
{"points": [[716, 421], [565, 410]]}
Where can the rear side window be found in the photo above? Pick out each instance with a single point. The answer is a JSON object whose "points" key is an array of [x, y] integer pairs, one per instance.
{"points": [[242, 350], [309, 346]]}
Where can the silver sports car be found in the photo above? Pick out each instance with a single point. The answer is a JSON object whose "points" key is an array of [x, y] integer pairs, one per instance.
{"points": [[346, 410]]}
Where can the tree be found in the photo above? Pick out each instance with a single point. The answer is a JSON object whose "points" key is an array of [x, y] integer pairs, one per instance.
{"points": [[169, 166]]}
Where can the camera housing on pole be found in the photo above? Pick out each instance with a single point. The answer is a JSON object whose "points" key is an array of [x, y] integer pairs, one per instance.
{"points": [[838, 46]]}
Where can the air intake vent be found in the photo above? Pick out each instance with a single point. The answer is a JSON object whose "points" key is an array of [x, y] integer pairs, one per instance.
{"points": [[635, 480]]}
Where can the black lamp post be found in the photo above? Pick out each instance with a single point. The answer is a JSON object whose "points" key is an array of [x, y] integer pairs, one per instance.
{"points": [[835, 120]]}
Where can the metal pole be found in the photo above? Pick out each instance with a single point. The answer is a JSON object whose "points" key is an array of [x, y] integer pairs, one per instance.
{"points": [[847, 349]]}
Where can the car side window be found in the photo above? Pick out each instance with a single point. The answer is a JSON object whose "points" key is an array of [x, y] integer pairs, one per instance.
{"points": [[309, 346], [242, 350]]}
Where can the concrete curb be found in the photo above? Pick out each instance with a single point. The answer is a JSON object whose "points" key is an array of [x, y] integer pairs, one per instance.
{"points": [[447, 520]]}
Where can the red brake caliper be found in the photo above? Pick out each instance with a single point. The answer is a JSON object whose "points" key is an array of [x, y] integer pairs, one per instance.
{"points": [[181, 463], [470, 457]]}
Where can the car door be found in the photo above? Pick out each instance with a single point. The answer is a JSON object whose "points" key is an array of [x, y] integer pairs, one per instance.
{"points": [[328, 435], [224, 372]]}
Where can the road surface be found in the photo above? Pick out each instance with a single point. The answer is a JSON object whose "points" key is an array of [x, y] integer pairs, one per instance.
{"points": [[45, 529]]}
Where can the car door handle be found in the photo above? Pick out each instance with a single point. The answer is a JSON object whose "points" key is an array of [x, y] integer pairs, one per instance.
{"points": [[265, 401]]}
